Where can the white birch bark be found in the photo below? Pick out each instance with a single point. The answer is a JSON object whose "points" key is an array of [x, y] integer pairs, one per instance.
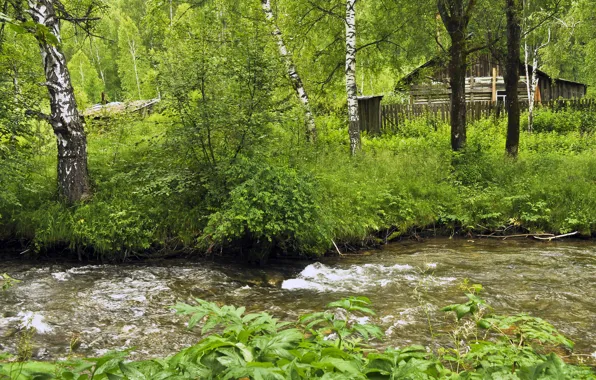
{"points": [[133, 52], [311, 129], [529, 87], [532, 83], [171, 15], [73, 179], [95, 52], [351, 87]]}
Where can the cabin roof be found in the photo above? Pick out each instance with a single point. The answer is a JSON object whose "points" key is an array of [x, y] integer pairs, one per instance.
{"points": [[118, 107]]}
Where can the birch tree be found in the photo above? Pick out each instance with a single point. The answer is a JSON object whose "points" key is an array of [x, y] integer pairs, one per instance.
{"points": [[73, 177], [532, 81], [311, 130], [85, 79], [536, 29], [97, 60], [130, 68], [351, 88]]}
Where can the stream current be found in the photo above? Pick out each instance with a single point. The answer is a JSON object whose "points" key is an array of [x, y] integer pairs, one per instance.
{"points": [[113, 307]]}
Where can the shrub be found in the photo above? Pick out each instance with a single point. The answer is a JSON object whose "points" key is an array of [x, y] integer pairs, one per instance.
{"points": [[276, 208]]}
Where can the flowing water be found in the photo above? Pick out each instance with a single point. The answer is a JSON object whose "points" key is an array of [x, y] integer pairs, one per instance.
{"points": [[108, 307]]}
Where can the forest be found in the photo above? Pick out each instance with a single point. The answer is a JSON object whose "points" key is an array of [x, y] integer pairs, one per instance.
{"points": [[239, 132]]}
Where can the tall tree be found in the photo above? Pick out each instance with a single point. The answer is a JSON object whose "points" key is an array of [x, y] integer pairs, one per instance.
{"points": [[456, 15], [512, 64], [130, 66], [351, 88], [311, 130], [538, 19], [73, 177], [87, 84], [532, 79]]}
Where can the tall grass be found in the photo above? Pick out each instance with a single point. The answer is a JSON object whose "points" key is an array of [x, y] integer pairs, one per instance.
{"points": [[289, 197]]}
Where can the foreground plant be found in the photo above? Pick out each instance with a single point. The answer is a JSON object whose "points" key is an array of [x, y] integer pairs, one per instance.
{"points": [[7, 282], [334, 344]]}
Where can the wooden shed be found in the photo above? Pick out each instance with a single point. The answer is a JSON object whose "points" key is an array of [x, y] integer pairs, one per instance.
{"points": [[369, 112], [429, 84]]}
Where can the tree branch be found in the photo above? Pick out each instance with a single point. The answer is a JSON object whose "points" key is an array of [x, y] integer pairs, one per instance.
{"points": [[327, 11], [442, 7]]}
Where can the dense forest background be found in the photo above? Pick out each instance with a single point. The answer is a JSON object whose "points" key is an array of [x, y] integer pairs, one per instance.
{"points": [[227, 160]]}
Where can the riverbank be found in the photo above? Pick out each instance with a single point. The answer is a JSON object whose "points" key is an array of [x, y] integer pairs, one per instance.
{"points": [[151, 196]]}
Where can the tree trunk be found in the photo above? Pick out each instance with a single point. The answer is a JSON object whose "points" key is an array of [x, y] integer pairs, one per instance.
{"points": [[311, 130], [512, 76], [457, 75], [351, 88], [171, 15], [73, 177], [529, 84], [455, 15], [133, 53], [534, 88], [95, 54]]}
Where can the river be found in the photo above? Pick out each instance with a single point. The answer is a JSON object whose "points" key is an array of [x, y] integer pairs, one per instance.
{"points": [[113, 307]]}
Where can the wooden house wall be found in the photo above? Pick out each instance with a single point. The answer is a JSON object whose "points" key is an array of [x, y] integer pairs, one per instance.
{"points": [[480, 66], [478, 89], [479, 85], [560, 89]]}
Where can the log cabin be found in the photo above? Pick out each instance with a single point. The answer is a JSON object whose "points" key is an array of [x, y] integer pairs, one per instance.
{"points": [[429, 83]]}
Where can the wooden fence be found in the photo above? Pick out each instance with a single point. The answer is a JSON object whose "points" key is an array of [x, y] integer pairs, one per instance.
{"points": [[392, 115]]}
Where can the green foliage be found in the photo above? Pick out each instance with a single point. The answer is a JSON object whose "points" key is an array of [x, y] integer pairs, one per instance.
{"points": [[85, 80], [513, 347], [274, 208], [471, 307], [325, 345], [133, 66], [342, 320], [7, 282]]}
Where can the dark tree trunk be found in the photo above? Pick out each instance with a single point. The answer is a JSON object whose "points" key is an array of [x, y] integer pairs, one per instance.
{"points": [[512, 76], [455, 15], [73, 178], [457, 75]]}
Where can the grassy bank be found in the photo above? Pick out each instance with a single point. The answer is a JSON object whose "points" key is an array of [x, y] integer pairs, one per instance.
{"points": [[338, 343], [154, 192]]}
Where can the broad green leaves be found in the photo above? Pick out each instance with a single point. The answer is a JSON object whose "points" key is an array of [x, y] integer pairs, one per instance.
{"points": [[256, 346], [41, 32]]}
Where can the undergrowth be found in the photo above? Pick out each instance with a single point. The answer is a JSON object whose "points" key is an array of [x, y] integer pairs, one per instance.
{"points": [[153, 192], [334, 344]]}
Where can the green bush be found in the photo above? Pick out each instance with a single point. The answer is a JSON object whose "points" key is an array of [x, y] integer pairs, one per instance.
{"points": [[276, 208], [562, 120]]}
